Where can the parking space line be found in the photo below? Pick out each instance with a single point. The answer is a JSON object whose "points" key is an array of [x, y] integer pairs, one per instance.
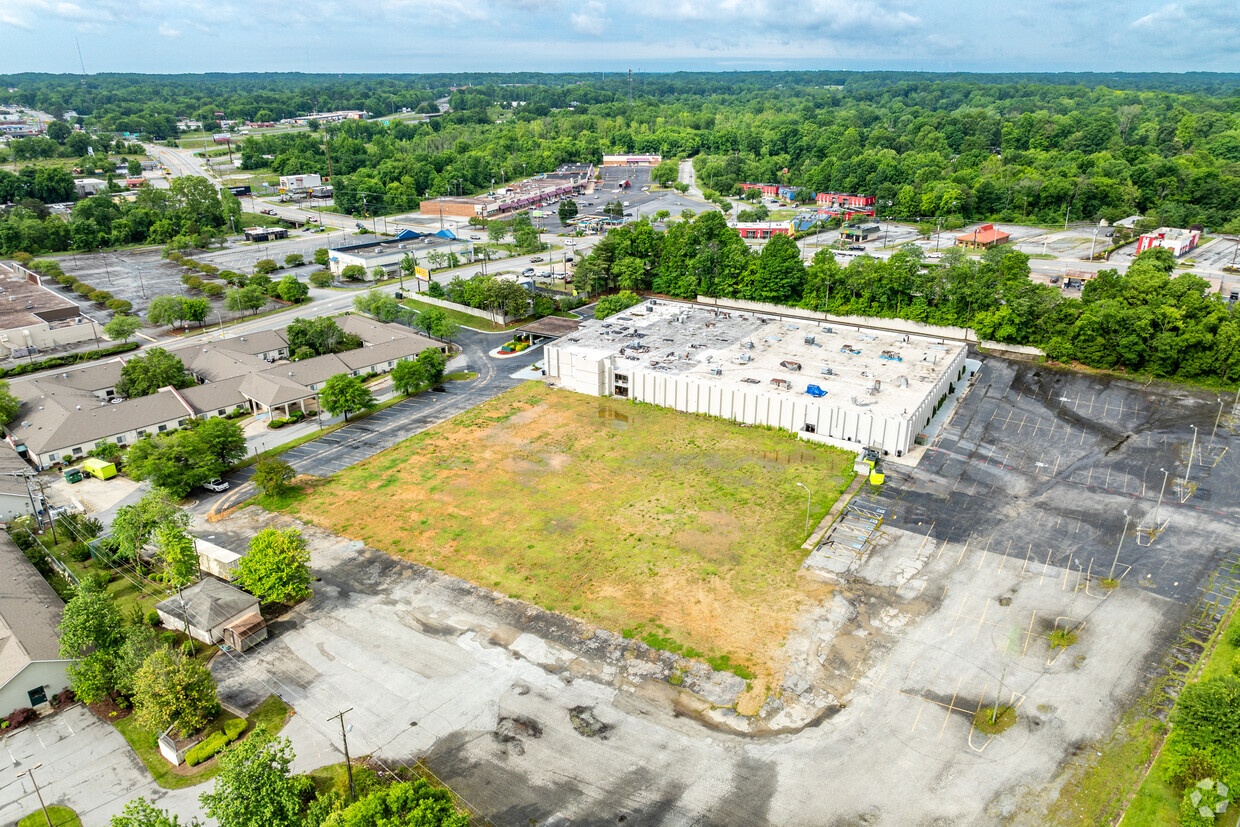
{"points": [[950, 707]]}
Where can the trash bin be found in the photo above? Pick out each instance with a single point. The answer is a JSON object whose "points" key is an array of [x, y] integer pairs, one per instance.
{"points": [[73, 475]]}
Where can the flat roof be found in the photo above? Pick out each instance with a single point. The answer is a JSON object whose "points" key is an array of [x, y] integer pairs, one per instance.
{"points": [[746, 350], [551, 326], [23, 303], [374, 249]]}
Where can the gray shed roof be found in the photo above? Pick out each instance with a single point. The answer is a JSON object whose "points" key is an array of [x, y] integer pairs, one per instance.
{"points": [[209, 602], [29, 613]]}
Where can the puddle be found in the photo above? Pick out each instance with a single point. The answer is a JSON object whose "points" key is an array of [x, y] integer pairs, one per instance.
{"points": [[610, 413]]}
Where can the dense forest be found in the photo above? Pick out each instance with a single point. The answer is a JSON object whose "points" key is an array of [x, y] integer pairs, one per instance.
{"points": [[1147, 320]]}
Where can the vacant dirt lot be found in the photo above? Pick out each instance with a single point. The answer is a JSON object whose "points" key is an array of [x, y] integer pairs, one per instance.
{"points": [[680, 530]]}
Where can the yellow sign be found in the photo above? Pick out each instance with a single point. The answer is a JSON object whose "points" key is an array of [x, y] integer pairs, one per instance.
{"points": [[422, 271]]}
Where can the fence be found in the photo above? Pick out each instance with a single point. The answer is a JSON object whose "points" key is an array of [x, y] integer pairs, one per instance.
{"points": [[492, 316]]}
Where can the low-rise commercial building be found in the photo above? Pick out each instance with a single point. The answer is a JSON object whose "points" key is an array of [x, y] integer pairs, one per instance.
{"points": [[86, 187], [1174, 239], [860, 232], [72, 412], [851, 387], [987, 235], [764, 229], [34, 318], [632, 160], [297, 183], [520, 195], [389, 253]]}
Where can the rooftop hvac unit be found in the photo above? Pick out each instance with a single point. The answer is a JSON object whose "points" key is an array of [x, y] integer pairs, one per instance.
{"points": [[747, 345], [745, 357], [826, 371], [716, 371], [809, 340], [826, 328]]}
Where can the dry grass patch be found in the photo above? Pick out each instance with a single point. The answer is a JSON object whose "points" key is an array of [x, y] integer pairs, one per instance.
{"points": [[682, 530]]}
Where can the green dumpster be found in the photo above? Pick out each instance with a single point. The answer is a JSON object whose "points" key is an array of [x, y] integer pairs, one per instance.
{"points": [[73, 475]]}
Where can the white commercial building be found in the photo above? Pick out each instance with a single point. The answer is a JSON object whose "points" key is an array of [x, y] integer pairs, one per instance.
{"points": [[294, 183], [847, 386]]}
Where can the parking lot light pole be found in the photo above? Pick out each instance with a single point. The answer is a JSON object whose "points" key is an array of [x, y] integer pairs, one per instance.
{"points": [[1191, 451], [1160, 496], [808, 498], [37, 791], [1115, 562]]}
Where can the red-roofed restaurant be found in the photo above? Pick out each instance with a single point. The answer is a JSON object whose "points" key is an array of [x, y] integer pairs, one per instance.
{"points": [[984, 236]]}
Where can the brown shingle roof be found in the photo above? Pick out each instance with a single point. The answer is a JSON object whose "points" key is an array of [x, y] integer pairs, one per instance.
{"points": [[29, 613]]}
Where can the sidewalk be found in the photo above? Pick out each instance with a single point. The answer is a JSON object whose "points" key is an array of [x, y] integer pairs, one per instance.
{"points": [[259, 438], [838, 508]]}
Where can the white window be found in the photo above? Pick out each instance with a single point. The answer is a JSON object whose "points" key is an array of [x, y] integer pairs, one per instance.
{"points": [[163, 428], [77, 452], [120, 440]]}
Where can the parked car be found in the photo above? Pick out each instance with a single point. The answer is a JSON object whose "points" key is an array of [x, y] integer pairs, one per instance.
{"points": [[856, 246], [536, 259], [934, 255], [216, 485], [268, 212], [474, 237], [528, 271], [1054, 279]]}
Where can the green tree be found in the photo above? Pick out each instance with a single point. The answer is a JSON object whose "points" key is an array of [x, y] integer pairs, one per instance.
{"points": [[294, 260], [353, 272], [322, 256], [322, 279], [141, 813], [170, 689], [121, 328], [779, 275], [135, 525], [321, 335], [344, 394], [436, 322], [277, 566], [407, 376], [611, 305], [567, 210], [404, 804], [195, 310], [165, 310], [178, 554], [59, 131], [266, 266], [143, 375], [140, 643], [273, 475], [496, 230], [255, 786], [9, 404], [180, 460], [134, 167], [250, 297], [292, 290], [90, 635], [432, 363]]}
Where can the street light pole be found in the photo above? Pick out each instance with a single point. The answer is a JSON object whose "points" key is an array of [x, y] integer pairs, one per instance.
{"points": [[808, 498], [37, 791], [1191, 451]]}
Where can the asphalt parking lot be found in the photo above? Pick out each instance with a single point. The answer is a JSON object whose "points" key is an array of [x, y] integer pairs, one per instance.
{"points": [[1000, 535]]}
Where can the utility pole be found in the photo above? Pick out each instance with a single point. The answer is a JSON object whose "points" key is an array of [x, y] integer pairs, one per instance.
{"points": [[630, 88], [1191, 451], [37, 791], [1160, 496], [344, 738]]}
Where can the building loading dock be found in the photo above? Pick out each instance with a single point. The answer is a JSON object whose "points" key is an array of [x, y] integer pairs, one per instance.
{"points": [[881, 388]]}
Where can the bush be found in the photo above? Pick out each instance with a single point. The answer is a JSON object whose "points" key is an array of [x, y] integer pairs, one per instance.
{"points": [[100, 297], [215, 742], [213, 290], [321, 279], [1185, 769], [173, 255], [23, 258], [83, 289], [65, 696], [97, 580], [194, 283], [78, 553], [152, 618], [65, 280], [21, 717], [277, 424], [168, 639], [119, 305], [1233, 635]]}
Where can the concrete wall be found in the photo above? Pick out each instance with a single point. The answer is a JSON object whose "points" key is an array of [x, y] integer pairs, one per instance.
{"points": [[50, 674], [13, 506], [489, 315]]}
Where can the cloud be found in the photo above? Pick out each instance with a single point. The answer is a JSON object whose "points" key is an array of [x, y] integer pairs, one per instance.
{"points": [[166, 30], [1171, 13], [590, 20]]}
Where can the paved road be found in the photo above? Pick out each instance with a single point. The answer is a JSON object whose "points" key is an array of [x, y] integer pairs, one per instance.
{"points": [[87, 765], [366, 437]]}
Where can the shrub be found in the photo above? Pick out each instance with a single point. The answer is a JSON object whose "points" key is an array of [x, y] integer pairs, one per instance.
{"points": [[97, 580], [152, 618], [215, 742], [208, 269], [234, 727], [21, 716], [78, 553], [65, 696], [1235, 664], [321, 279], [277, 424], [1187, 768], [23, 258], [194, 283], [83, 289], [65, 280], [1233, 635], [118, 305], [100, 297], [173, 255], [213, 290]]}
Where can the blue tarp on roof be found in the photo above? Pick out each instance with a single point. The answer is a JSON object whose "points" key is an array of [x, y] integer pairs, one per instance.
{"points": [[405, 235], [446, 234]]}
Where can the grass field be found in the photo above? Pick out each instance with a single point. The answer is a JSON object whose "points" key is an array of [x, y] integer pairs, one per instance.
{"points": [[682, 530], [60, 815]]}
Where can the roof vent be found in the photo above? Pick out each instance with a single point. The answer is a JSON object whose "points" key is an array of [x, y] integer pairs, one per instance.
{"points": [[79, 407]]}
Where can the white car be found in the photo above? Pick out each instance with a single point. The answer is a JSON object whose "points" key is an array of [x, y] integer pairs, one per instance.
{"points": [[216, 485]]}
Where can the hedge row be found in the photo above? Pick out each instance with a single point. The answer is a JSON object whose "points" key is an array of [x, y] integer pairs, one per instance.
{"points": [[216, 741], [67, 359]]}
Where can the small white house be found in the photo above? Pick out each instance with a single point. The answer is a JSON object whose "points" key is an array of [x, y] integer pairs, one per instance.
{"points": [[211, 605]]}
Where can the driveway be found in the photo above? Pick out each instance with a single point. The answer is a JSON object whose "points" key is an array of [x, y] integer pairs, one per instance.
{"points": [[87, 765]]}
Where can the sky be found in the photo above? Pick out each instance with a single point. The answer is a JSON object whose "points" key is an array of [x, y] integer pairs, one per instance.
{"points": [[158, 36]]}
